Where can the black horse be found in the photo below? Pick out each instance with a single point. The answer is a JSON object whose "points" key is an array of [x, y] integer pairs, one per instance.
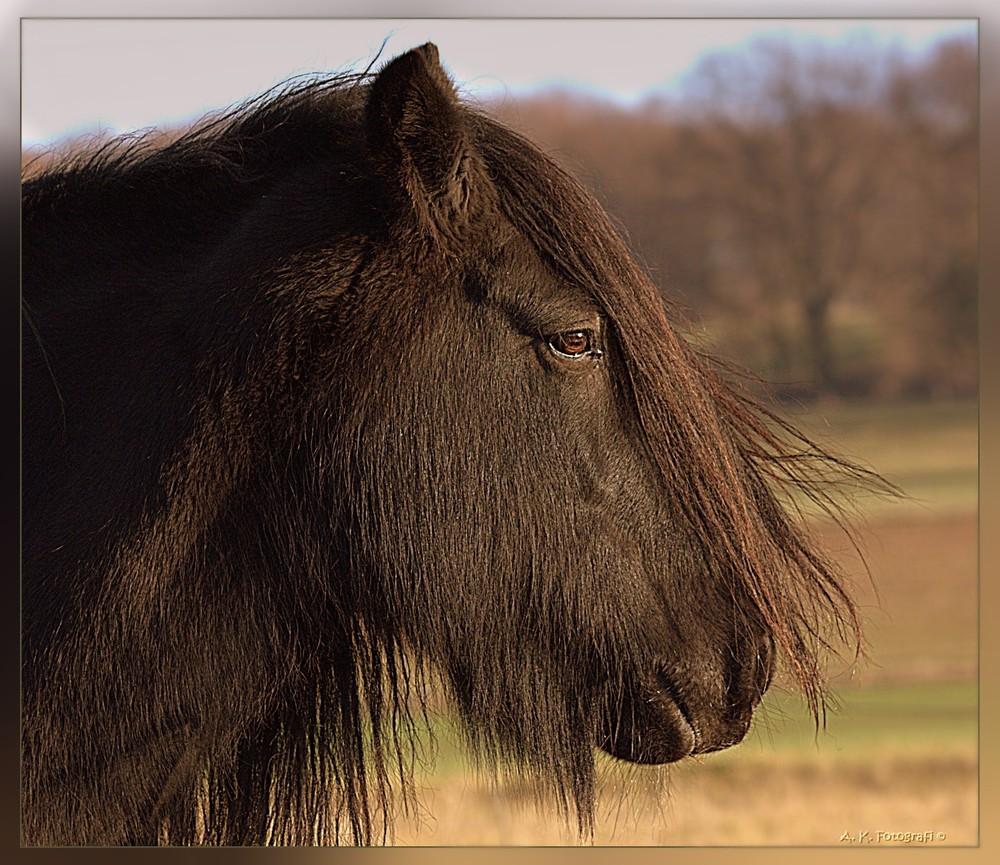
{"points": [[352, 388]]}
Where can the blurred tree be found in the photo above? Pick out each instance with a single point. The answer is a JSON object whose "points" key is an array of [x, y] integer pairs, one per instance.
{"points": [[793, 147], [934, 105]]}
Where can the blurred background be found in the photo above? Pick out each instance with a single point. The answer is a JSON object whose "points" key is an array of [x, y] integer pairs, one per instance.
{"points": [[806, 196]]}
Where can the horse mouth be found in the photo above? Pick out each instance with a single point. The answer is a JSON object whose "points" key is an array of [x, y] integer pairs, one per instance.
{"points": [[656, 723], [653, 725]]}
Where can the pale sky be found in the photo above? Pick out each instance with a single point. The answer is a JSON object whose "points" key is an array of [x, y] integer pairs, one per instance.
{"points": [[126, 74]]}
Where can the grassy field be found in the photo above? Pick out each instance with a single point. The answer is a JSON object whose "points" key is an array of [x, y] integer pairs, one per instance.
{"points": [[899, 753], [929, 450]]}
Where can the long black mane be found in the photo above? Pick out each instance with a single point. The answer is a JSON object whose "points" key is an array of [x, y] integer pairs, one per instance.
{"points": [[224, 570]]}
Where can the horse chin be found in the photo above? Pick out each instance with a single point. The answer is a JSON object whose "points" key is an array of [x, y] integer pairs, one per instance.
{"points": [[651, 728]]}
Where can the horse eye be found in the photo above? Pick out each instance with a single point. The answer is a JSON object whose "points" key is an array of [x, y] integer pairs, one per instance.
{"points": [[571, 343]]}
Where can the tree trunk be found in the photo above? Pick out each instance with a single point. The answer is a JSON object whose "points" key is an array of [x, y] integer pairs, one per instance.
{"points": [[819, 348]]}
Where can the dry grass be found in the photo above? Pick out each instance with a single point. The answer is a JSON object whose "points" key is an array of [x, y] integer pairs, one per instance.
{"points": [[783, 802]]}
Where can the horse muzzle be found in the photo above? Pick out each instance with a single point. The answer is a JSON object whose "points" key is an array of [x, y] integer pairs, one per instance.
{"points": [[665, 716]]}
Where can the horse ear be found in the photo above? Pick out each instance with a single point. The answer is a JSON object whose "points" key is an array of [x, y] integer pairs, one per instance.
{"points": [[416, 130]]}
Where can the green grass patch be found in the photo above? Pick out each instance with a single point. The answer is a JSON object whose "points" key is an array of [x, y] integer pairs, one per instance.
{"points": [[930, 450], [901, 718], [911, 719]]}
